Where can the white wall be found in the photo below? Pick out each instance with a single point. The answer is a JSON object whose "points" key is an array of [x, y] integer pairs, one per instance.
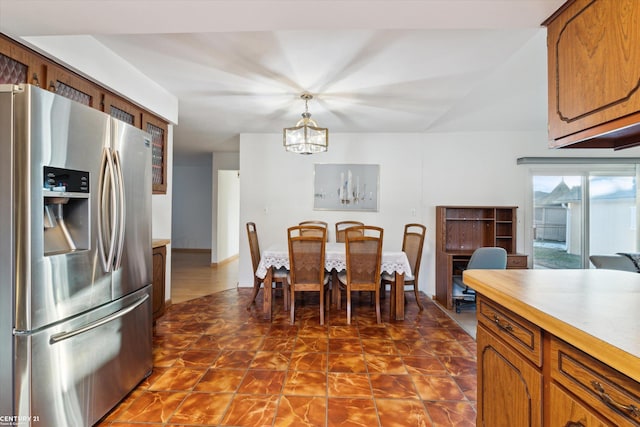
{"points": [[191, 219], [417, 172]]}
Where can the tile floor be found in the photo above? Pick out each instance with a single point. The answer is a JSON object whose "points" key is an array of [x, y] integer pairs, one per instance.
{"points": [[218, 364]]}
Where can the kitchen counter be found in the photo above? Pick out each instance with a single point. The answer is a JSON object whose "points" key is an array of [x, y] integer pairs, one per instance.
{"points": [[156, 243], [596, 311]]}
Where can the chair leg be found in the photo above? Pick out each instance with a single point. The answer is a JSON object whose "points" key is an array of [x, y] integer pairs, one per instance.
{"points": [[392, 301], [417, 294], [292, 307], [256, 289], [335, 290], [285, 294], [348, 305], [377, 296], [322, 306]]}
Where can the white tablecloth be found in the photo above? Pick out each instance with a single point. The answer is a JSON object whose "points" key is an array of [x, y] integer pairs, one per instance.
{"points": [[277, 256]]}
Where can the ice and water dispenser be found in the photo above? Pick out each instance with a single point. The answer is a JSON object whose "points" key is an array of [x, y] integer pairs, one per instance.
{"points": [[66, 210]]}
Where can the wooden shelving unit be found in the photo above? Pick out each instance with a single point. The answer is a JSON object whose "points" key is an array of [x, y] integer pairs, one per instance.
{"points": [[462, 229]]}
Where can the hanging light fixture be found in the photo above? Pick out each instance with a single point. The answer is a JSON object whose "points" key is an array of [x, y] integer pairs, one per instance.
{"points": [[306, 137]]}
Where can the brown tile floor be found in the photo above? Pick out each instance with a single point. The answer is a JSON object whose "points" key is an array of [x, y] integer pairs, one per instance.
{"points": [[218, 364]]}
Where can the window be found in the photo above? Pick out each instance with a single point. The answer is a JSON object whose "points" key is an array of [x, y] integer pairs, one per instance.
{"points": [[580, 211]]}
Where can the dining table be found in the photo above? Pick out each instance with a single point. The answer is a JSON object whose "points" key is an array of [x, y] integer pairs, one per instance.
{"points": [[335, 260]]}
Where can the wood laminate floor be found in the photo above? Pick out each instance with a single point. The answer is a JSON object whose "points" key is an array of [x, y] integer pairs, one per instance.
{"points": [[217, 363], [192, 275]]}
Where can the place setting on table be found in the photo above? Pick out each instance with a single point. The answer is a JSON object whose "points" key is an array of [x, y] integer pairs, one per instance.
{"points": [[275, 259]]}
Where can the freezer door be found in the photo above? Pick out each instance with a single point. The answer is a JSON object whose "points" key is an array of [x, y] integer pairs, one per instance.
{"points": [[51, 284], [79, 370], [132, 156], [7, 274]]}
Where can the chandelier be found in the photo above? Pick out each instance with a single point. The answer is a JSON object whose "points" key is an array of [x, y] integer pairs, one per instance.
{"points": [[306, 137]]}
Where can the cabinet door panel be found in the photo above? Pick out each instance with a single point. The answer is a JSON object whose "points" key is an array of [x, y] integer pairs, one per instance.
{"points": [[594, 66], [158, 131], [122, 110], [567, 411], [71, 86], [19, 65], [159, 262], [509, 386]]}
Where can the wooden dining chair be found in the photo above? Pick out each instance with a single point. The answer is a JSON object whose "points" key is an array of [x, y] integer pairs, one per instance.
{"points": [[306, 264], [412, 243], [363, 260], [313, 230], [279, 276], [341, 226]]}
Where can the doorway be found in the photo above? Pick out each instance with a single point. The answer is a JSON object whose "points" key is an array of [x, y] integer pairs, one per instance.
{"points": [[228, 215]]}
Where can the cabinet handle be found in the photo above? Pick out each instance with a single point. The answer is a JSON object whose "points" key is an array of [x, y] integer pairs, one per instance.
{"points": [[633, 410], [502, 325]]}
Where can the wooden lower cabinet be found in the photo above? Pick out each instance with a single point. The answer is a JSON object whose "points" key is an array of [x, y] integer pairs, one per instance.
{"points": [[529, 377], [509, 386], [602, 390], [159, 265]]}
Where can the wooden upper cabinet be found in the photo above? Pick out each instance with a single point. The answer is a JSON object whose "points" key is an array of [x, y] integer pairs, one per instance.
{"points": [[158, 130], [72, 86], [121, 109], [19, 65], [594, 74]]}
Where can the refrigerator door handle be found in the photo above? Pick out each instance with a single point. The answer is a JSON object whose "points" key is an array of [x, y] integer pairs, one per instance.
{"points": [[107, 198], [121, 209], [64, 335]]}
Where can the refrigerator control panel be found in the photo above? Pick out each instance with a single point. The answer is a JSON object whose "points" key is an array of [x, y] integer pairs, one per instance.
{"points": [[66, 180]]}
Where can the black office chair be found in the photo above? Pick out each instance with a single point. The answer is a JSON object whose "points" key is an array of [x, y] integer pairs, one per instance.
{"points": [[489, 258]]}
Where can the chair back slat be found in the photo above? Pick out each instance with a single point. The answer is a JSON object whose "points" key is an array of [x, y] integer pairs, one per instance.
{"points": [[313, 230], [364, 255], [363, 246], [412, 244], [341, 228], [306, 254], [306, 263], [254, 246], [306, 259]]}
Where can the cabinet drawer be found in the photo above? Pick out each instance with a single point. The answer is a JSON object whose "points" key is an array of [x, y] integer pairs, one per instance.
{"points": [[516, 261], [518, 332], [610, 393]]}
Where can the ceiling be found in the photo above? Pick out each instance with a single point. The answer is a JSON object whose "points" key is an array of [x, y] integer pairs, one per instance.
{"points": [[386, 66]]}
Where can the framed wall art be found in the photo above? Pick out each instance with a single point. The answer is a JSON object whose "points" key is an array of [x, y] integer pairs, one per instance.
{"points": [[346, 187]]}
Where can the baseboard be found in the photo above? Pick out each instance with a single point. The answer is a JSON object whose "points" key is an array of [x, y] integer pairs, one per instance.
{"points": [[191, 250], [225, 261]]}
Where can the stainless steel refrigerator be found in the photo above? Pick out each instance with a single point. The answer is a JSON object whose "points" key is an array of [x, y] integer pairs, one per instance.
{"points": [[75, 259]]}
